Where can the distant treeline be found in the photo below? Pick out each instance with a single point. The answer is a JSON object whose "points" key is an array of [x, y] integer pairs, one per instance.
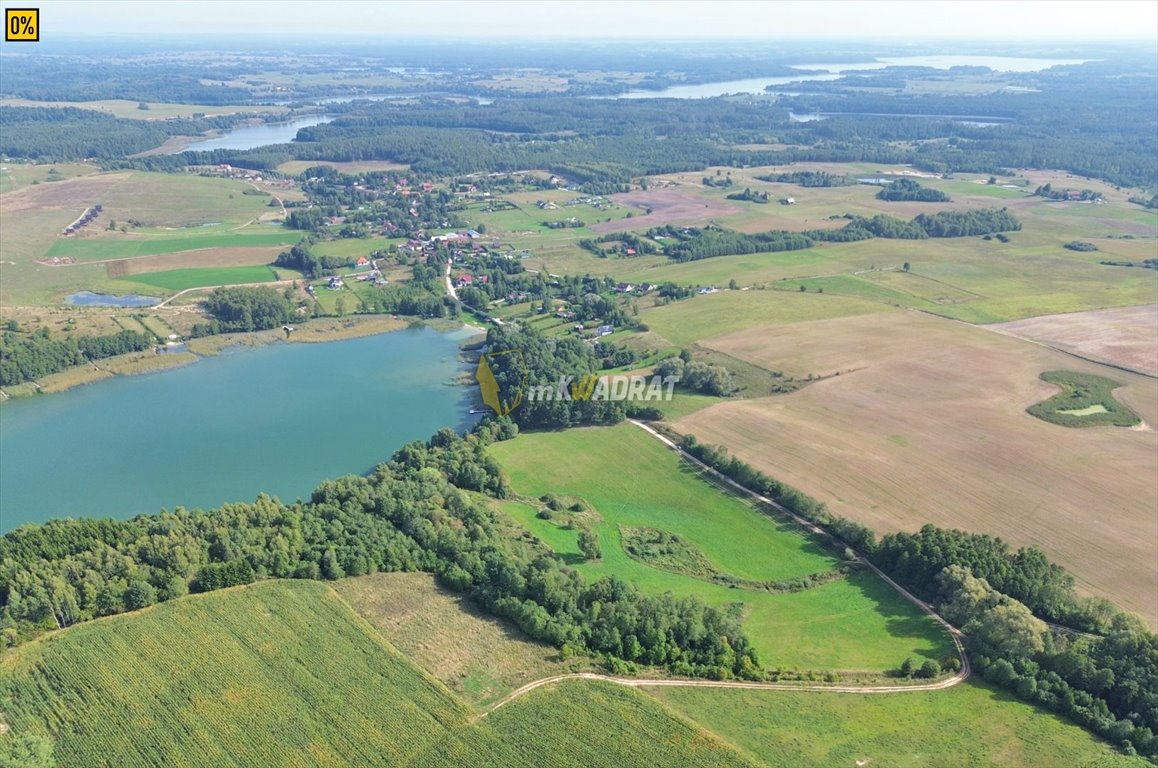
{"points": [[80, 78], [57, 134], [604, 144], [692, 243], [29, 356]]}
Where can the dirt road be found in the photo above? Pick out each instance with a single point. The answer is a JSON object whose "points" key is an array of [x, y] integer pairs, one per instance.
{"points": [[636, 682]]}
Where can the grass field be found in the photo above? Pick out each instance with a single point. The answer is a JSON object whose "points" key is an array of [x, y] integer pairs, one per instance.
{"points": [[181, 279], [967, 725], [477, 656], [356, 246], [152, 243], [926, 423], [867, 627], [966, 278], [285, 674], [692, 320], [171, 209]]}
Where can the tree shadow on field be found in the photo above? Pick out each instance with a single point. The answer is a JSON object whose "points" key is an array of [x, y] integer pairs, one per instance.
{"points": [[509, 630], [902, 618]]}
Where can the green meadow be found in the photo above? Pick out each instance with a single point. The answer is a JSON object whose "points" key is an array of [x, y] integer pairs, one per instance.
{"points": [[152, 243], [182, 279], [971, 724], [867, 627]]}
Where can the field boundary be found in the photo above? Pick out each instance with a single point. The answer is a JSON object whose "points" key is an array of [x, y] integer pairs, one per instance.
{"points": [[635, 682], [989, 327]]}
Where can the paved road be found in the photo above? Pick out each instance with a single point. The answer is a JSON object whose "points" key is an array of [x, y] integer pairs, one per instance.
{"points": [[636, 682]]}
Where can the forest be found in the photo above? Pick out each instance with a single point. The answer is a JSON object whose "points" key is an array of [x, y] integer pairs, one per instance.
{"points": [[29, 356], [693, 243], [907, 189], [53, 134]]}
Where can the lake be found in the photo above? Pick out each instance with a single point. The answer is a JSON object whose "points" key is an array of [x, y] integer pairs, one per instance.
{"points": [[278, 418], [250, 136], [90, 299], [709, 90], [996, 63], [834, 71]]}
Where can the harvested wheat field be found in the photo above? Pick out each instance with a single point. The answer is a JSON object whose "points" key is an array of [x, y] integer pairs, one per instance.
{"points": [[1123, 336], [666, 206], [242, 256], [926, 422]]}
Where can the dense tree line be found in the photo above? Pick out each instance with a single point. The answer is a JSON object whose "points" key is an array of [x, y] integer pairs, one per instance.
{"points": [[302, 258], [627, 240], [29, 356], [410, 514], [908, 190], [1047, 191], [749, 196], [1059, 123], [697, 376], [68, 133], [522, 358], [1108, 683], [1025, 574], [246, 309], [76, 78], [809, 179], [693, 243], [982, 221]]}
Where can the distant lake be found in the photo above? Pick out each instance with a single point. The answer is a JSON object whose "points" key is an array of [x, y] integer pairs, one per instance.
{"points": [[278, 419], [250, 136], [90, 299], [709, 90], [996, 63], [836, 70]]}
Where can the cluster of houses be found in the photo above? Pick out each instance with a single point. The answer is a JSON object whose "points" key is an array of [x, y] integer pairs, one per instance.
{"points": [[86, 217], [467, 279], [640, 289], [600, 332]]}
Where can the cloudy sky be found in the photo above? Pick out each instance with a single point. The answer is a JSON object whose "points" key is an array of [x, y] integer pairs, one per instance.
{"points": [[1071, 20]]}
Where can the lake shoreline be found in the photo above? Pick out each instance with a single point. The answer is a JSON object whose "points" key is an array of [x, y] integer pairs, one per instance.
{"points": [[316, 331]]}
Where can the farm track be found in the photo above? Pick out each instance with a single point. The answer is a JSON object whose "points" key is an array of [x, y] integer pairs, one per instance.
{"points": [[211, 287], [636, 682]]}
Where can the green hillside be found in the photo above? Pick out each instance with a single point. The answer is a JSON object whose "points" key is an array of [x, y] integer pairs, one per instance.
{"points": [[284, 673]]}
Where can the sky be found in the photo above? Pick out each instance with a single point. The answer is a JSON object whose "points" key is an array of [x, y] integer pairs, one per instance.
{"points": [[1037, 20]]}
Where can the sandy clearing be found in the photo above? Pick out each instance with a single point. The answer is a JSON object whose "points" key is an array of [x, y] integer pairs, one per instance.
{"points": [[1125, 336], [926, 423]]}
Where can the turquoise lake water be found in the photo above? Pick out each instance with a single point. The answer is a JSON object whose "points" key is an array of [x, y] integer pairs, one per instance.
{"points": [[277, 419]]}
